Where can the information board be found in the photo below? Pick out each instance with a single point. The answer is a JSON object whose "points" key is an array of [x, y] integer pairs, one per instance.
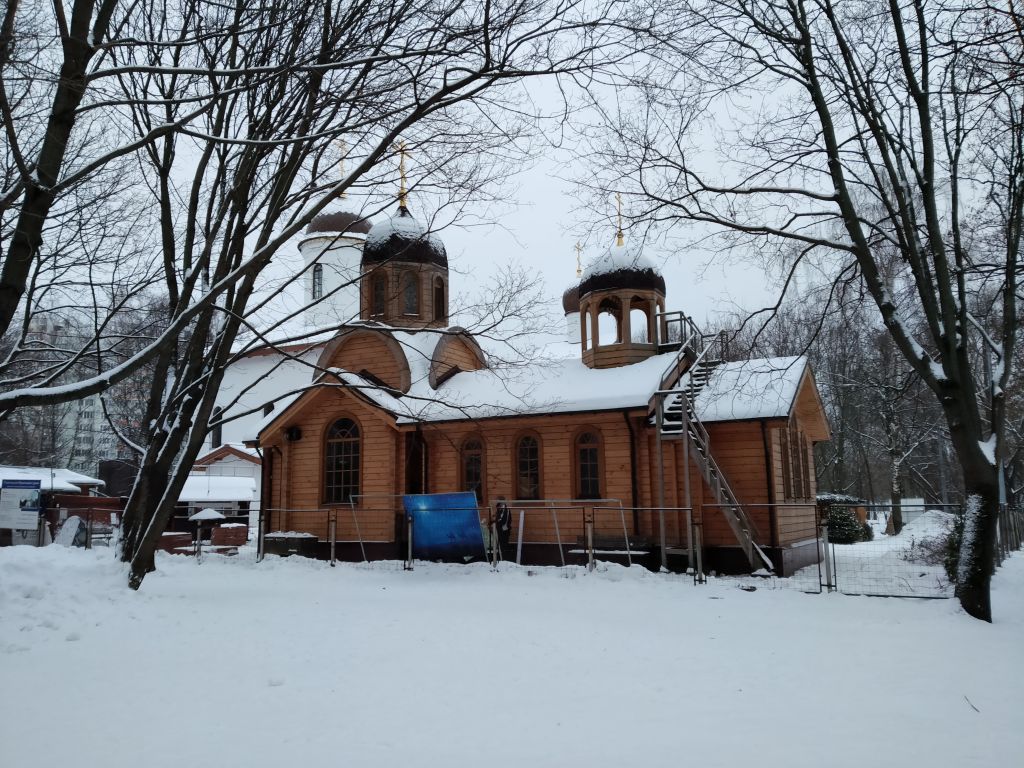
{"points": [[19, 504]]}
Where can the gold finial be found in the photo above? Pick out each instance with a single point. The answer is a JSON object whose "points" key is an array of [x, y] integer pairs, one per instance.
{"points": [[343, 147], [402, 190], [579, 263], [619, 238]]}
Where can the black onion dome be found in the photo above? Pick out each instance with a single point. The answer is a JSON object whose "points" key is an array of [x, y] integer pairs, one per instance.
{"points": [[339, 221], [403, 238], [622, 268], [571, 299]]}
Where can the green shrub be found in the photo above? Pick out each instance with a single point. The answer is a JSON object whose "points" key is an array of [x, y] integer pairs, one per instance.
{"points": [[843, 526], [867, 533]]}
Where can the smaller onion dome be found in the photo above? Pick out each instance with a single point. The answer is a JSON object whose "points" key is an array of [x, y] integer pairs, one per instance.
{"points": [[621, 267], [339, 222], [571, 299], [403, 238]]}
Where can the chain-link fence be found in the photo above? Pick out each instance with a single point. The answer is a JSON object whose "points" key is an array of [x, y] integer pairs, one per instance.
{"points": [[904, 550]]}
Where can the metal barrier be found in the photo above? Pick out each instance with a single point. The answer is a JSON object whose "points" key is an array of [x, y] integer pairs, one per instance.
{"points": [[870, 553], [559, 532]]}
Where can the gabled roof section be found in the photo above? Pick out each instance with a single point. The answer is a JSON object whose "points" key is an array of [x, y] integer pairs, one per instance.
{"points": [[372, 392], [455, 352], [228, 449], [766, 388]]}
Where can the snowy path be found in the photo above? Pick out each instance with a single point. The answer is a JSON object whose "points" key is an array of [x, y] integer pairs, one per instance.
{"points": [[361, 666]]}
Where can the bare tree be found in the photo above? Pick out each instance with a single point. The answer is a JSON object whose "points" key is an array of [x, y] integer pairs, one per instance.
{"points": [[900, 126]]}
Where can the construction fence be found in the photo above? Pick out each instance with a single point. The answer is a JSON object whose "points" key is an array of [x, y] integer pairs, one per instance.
{"points": [[905, 551], [548, 532]]}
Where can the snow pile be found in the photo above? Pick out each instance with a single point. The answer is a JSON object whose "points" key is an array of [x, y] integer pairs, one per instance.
{"points": [[523, 667]]}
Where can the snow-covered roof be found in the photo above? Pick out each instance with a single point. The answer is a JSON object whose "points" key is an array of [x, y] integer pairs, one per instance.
{"points": [[751, 389], [557, 386], [50, 478], [255, 380], [227, 448], [204, 487]]}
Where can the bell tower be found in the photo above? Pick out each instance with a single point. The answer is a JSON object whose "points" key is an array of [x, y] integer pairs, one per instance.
{"points": [[404, 269], [620, 296]]}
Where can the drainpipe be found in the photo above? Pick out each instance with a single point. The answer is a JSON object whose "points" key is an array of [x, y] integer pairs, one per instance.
{"points": [[770, 481], [632, 470]]}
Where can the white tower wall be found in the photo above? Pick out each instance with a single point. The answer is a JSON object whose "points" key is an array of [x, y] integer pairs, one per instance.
{"points": [[572, 327], [340, 257]]}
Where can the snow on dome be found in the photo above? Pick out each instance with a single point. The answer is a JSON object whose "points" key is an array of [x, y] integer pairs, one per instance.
{"points": [[403, 238], [618, 258], [339, 222], [571, 300], [621, 266]]}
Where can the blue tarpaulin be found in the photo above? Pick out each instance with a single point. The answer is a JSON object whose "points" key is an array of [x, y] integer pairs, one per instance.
{"points": [[445, 526]]}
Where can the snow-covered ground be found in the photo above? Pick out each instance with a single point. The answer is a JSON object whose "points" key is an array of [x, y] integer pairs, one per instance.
{"points": [[291, 662]]}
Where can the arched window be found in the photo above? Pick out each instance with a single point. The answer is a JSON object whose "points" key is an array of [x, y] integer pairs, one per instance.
{"points": [[341, 462], [378, 295], [440, 310], [217, 432], [410, 294], [588, 466], [473, 467], [528, 468], [609, 322], [639, 322], [318, 281]]}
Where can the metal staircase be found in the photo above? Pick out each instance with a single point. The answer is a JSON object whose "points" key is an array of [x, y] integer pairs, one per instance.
{"points": [[696, 358]]}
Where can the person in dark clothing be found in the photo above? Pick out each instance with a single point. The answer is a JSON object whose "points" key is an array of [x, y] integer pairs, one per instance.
{"points": [[503, 520]]}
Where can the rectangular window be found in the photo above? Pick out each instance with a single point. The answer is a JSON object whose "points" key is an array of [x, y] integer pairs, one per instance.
{"points": [[474, 475], [342, 472], [805, 460], [528, 469], [787, 478], [590, 484], [318, 281]]}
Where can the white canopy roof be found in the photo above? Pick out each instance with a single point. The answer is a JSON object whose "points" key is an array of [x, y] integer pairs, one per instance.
{"points": [[50, 478], [207, 488]]}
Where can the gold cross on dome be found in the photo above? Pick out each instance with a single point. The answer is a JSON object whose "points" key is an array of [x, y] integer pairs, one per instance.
{"points": [[403, 191], [579, 263], [343, 148], [619, 240]]}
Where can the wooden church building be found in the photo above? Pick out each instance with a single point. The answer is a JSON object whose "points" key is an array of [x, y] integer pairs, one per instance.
{"points": [[647, 431]]}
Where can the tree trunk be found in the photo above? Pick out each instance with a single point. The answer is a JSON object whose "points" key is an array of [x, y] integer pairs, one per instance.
{"points": [[977, 550], [896, 497]]}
